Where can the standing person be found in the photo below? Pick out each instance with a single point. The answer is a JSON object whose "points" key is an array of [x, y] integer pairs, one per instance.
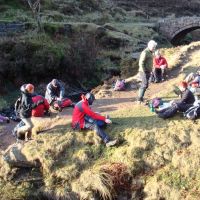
{"points": [[55, 92], [24, 110], [84, 118], [159, 67], [145, 68]]}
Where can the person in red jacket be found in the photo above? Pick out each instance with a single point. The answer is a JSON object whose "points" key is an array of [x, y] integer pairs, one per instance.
{"points": [[41, 109], [159, 67], [84, 118]]}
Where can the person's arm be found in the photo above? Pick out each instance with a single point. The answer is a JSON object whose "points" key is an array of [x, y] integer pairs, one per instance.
{"points": [[142, 60], [155, 64], [50, 92], [183, 97], [87, 110], [62, 91], [163, 63]]}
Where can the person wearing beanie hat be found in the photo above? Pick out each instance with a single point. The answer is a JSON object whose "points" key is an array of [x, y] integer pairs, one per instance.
{"points": [[23, 109], [84, 117], [145, 68], [159, 66]]}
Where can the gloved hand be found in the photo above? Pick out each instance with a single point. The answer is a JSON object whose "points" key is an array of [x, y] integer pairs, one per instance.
{"points": [[108, 121], [40, 102]]}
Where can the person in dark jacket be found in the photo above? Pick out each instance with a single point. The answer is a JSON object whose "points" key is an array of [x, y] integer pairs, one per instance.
{"points": [[25, 112], [84, 118], [145, 68], [187, 100], [55, 92]]}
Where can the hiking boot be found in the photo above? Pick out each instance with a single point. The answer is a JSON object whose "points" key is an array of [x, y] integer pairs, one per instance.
{"points": [[111, 143]]}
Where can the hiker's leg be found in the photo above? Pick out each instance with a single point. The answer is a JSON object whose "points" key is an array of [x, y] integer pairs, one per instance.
{"points": [[163, 72], [27, 127], [98, 130], [144, 85], [100, 123], [184, 107], [157, 74]]}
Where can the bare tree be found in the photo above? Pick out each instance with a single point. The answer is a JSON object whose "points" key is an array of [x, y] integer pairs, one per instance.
{"points": [[35, 6]]}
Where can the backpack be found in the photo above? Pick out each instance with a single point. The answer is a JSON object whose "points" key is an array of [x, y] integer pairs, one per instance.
{"points": [[193, 112], [119, 85], [156, 102], [18, 106]]}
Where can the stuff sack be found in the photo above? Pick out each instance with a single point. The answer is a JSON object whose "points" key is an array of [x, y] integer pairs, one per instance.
{"points": [[119, 85], [156, 102]]}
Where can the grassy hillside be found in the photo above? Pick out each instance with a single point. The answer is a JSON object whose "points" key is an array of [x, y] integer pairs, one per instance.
{"points": [[155, 159]]}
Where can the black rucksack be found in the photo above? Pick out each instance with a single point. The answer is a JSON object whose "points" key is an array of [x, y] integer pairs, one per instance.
{"points": [[18, 106], [192, 113]]}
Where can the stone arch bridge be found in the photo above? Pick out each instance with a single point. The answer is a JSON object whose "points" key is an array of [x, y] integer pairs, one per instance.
{"points": [[177, 28]]}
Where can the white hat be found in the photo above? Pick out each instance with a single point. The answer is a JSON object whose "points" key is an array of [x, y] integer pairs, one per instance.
{"points": [[152, 44]]}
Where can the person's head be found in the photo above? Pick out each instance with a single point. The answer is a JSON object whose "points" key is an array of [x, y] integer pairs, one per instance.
{"points": [[157, 54], [29, 88], [54, 82], [152, 45], [183, 86], [90, 98]]}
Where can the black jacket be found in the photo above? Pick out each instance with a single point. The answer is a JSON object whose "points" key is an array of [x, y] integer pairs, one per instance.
{"points": [[186, 101], [26, 103]]}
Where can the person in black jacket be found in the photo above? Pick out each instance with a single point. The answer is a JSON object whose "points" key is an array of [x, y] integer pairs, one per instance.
{"points": [[25, 111], [187, 100]]}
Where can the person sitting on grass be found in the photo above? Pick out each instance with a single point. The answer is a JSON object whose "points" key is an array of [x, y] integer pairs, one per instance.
{"points": [[159, 67], [187, 100], [55, 92], [84, 118]]}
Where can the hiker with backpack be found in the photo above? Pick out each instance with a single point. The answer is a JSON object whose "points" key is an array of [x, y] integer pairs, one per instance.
{"points": [[187, 100], [42, 109], [23, 108], [145, 68], [159, 67], [55, 92], [83, 118]]}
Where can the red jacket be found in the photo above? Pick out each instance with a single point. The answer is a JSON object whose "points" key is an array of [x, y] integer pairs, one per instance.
{"points": [[40, 109], [80, 110], [157, 62]]}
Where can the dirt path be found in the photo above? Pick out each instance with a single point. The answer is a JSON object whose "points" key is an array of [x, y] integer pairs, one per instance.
{"points": [[118, 100]]}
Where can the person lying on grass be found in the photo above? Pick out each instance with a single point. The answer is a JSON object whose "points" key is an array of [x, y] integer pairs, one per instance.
{"points": [[84, 118], [183, 104]]}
